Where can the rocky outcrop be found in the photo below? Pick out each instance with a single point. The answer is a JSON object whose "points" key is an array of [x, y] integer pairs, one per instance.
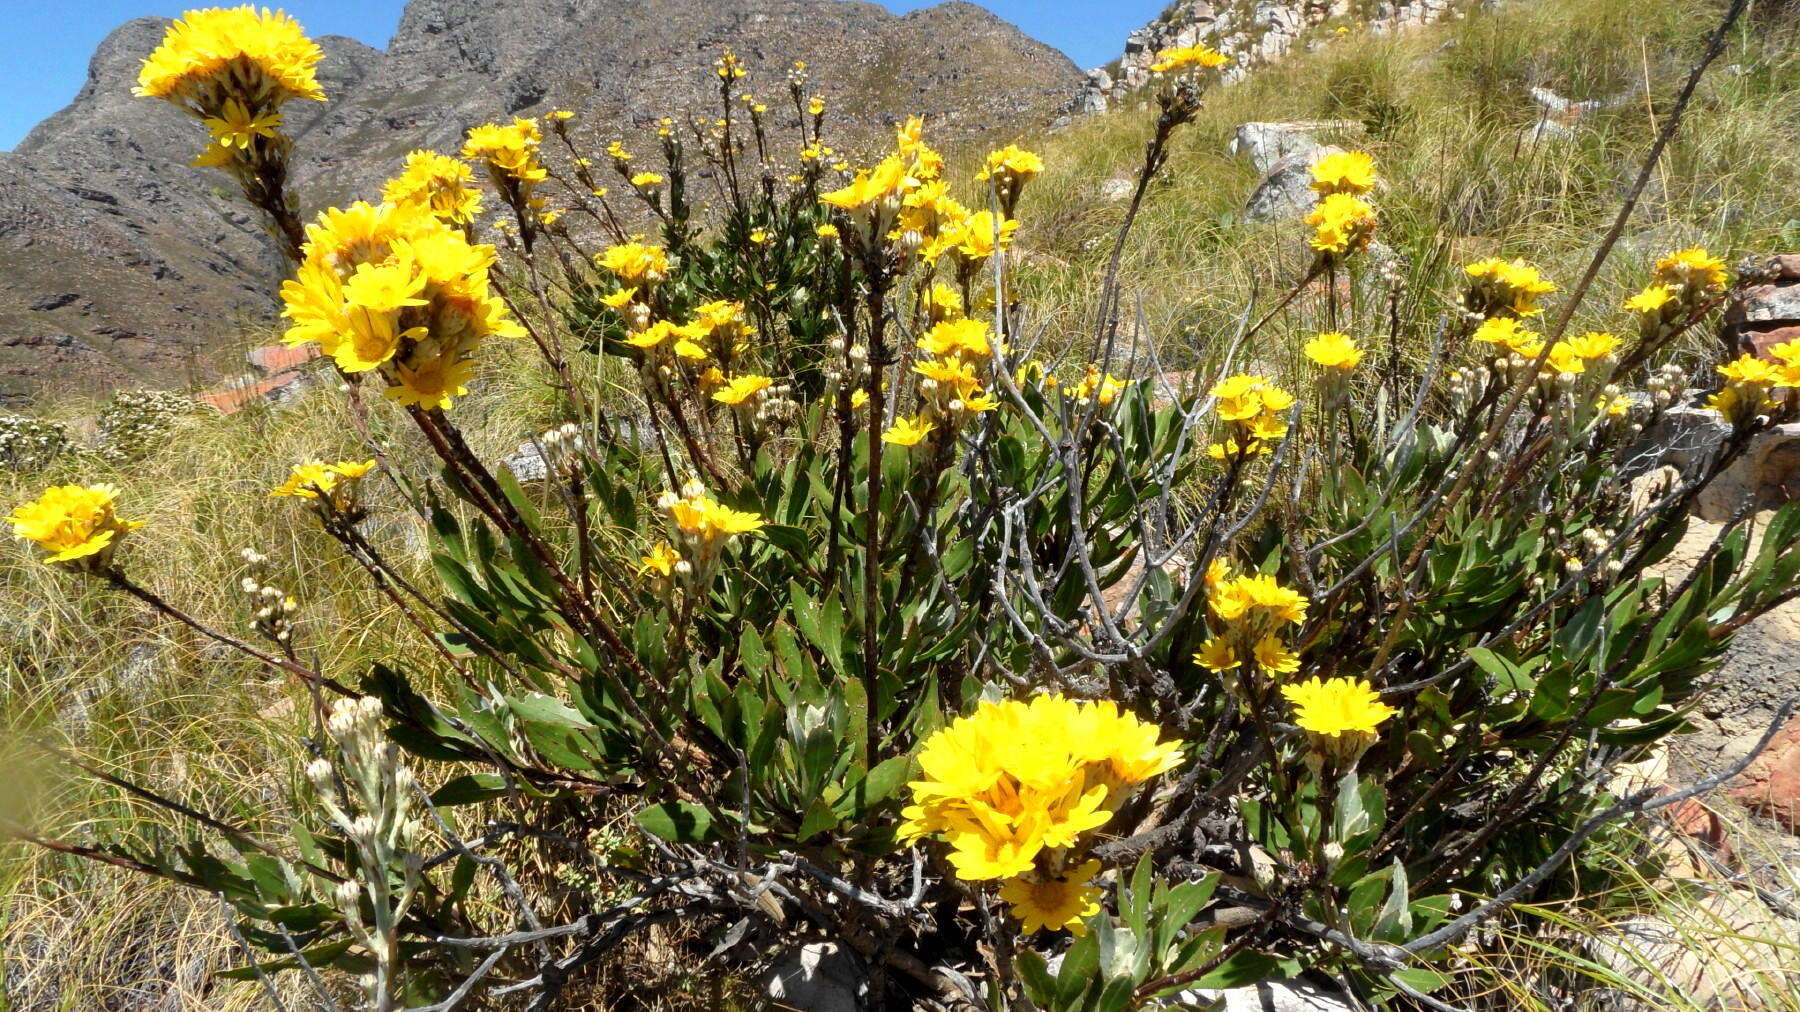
{"points": [[120, 264], [1253, 33]]}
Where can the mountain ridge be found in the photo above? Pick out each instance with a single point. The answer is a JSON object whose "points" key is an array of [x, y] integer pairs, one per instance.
{"points": [[120, 264]]}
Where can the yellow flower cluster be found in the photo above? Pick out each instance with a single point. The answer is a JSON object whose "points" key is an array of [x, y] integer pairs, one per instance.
{"points": [[635, 263], [1016, 788], [1188, 59], [443, 185], [904, 200], [393, 288], [1351, 172], [1750, 380], [1682, 282], [1253, 409], [232, 68], [703, 526], [75, 524], [331, 483], [510, 153], [1103, 387], [1009, 169], [1343, 223], [1566, 358], [951, 379], [1339, 715], [1497, 287], [1253, 607]]}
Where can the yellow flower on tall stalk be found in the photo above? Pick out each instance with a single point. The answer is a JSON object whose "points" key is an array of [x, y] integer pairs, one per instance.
{"points": [[394, 289], [1008, 170], [509, 150], [1016, 787], [1217, 654], [1339, 715], [74, 525], [1342, 224], [1351, 172], [208, 55], [1188, 58], [1334, 351], [443, 185]]}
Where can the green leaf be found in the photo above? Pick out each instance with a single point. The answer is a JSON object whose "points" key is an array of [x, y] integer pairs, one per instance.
{"points": [[677, 822], [469, 789]]}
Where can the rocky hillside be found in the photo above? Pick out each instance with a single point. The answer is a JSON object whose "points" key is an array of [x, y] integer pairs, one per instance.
{"points": [[119, 264]]}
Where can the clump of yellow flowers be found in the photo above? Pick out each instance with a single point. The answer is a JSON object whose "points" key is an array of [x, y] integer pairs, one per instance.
{"points": [[1343, 222], [1681, 285], [391, 288], [233, 68], [951, 379], [1749, 382], [443, 185], [1253, 608], [1252, 408], [702, 528], [1496, 287], [332, 485], [510, 153], [74, 524], [1016, 789]]}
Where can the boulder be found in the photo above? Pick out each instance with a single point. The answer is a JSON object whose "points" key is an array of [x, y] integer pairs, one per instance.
{"points": [[1726, 952], [1286, 192], [1767, 476], [1265, 144], [1771, 786]]}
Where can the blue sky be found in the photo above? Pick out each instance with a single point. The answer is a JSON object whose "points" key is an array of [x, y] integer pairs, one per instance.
{"points": [[43, 66]]}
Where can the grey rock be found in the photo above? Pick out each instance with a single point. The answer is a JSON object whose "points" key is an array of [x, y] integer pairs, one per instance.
{"points": [[527, 463], [1286, 193], [1117, 189], [818, 977], [1688, 438], [1264, 144], [1767, 476]]}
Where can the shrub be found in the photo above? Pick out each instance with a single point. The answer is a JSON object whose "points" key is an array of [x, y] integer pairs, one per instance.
{"points": [[892, 621]]}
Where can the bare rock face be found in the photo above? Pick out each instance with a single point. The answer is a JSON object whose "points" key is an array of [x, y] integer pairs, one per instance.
{"points": [[119, 263]]}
